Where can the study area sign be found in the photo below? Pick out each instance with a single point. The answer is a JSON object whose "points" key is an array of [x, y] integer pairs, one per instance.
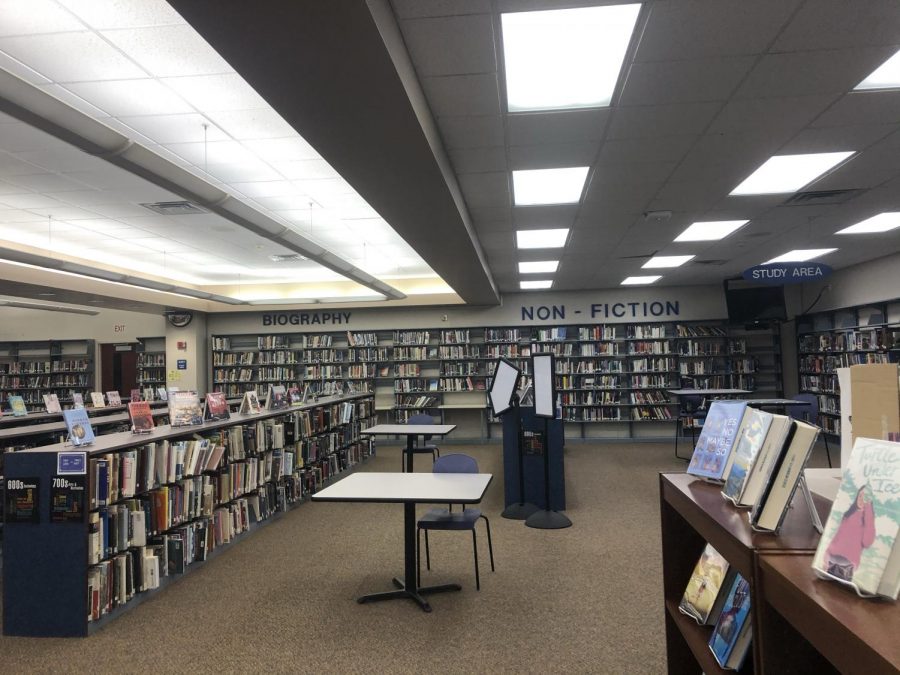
{"points": [[777, 274]]}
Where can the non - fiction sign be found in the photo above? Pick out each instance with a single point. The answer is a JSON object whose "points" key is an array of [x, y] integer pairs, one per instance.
{"points": [[67, 499], [21, 503], [777, 274]]}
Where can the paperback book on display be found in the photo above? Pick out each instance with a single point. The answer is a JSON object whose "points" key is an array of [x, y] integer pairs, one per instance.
{"points": [[51, 403], [77, 401], [753, 434], [730, 639], [250, 403], [707, 588], [216, 407], [79, 426], [780, 431], [113, 398], [859, 545], [97, 399], [184, 409], [294, 396], [17, 405], [720, 432], [135, 395], [162, 394], [141, 417], [276, 398]]}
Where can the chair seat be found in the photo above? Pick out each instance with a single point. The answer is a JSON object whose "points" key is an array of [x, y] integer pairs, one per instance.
{"points": [[441, 519], [423, 448]]}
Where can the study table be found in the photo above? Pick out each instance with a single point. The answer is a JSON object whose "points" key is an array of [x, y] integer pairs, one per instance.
{"points": [[410, 431], [408, 489]]}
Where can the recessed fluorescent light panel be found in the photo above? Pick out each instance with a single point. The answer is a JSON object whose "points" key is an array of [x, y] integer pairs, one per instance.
{"points": [[710, 230], [883, 222], [800, 255], [549, 186], [660, 261], [542, 238], [788, 173], [886, 76], [640, 281], [565, 58], [529, 285], [538, 267]]}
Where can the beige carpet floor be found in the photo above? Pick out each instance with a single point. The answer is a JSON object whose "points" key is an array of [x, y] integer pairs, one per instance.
{"points": [[587, 599]]}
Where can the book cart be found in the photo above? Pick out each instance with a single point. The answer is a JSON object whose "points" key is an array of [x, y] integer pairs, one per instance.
{"points": [[46, 564], [800, 625]]}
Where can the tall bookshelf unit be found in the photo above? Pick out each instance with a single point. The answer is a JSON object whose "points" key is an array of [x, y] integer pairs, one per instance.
{"points": [[50, 564], [32, 369], [416, 371], [151, 363], [841, 338]]}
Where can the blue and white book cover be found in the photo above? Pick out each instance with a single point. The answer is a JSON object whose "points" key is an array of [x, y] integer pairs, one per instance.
{"points": [[717, 439], [79, 425], [734, 613]]}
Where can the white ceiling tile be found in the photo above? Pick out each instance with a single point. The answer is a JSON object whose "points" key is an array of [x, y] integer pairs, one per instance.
{"points": [[131, 97], [779, 115], [112, 211], [61, 159], [459, 45], [552, 155], [411, 9], [211, 93], [485, 189], [19, 69], [692, 29], [51, 56], [25, 17], [868, 169], [216, 152], [834, 71], [24, 138], [108, 178], [252, 124], [825, 139], [45, 183], [683, 81], [66, 213], [17, 216], [294, 202], [11, 166], [662, 149], [9, 188], [186, 128], [862, 107], [102, 14], [245, 172], [307, 169], [653, 121], [273, 188], [169, 51], [472, 131], [87, 198], [69, 97], [554, 216], [557, 126], [496, 216], [282, 149], [830, 24], [463, 94], [478, 160]]}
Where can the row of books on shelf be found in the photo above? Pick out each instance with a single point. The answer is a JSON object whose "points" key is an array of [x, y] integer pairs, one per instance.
{"points": [[44, 381], [846, 341], [613, 398], [828, 364], [616, 413], [45, 367]]}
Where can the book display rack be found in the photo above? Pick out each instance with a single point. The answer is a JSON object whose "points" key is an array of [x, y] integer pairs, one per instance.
{"points": [[693, 513], [151, 363], [33, 369], [827, 341], [92, 537]]}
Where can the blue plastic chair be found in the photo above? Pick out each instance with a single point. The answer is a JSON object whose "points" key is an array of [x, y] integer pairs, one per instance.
{"points": [[425, 447], [810, 414], [447, 519]]}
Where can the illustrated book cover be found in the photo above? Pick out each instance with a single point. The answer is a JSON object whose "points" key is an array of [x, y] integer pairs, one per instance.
{"points": [[141, 416], [731, 636], [754, 430], [79, 426], [216, 406], [707, 587], [720, 431]]}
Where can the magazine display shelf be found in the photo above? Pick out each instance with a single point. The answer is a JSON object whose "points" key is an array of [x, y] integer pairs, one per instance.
{"points": [[45, 564], [692, 514]]}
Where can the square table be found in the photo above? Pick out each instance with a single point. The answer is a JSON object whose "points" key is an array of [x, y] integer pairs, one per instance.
{"points": [[408, 489], [410, 431]]}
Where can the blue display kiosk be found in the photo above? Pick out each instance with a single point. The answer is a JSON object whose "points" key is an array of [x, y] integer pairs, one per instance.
{"points": [[534, 463]]}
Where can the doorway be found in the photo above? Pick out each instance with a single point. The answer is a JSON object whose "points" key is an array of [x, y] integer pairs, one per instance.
{"points": [[118, 368]]}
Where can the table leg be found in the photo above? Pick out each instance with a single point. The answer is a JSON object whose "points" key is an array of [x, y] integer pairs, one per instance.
{"points": [[409, 452], [407, 588]]}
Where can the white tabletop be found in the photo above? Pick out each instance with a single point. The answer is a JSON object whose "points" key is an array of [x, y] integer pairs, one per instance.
{"points": [[774, 401], [408, 430], [708, 392], [427, 488]]}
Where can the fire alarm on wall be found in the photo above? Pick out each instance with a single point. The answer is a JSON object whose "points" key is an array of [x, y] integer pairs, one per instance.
{"points": [[182, 345]]}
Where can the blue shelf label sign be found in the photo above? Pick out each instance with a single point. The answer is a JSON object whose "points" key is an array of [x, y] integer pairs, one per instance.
{"points": [[181, 364], [71, 462], [777, 274]]}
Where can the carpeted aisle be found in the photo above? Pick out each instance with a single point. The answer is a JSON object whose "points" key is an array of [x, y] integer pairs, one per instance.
{"points": [[585, 600]]}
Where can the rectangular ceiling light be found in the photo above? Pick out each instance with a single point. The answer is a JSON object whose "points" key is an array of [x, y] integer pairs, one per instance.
{"points": [[549, 186], [639, 281], [883, 222], [542, 238], [886, 76], [788, 173], [565, 58], [541, 283], [660, 261], [538, 267], [800, 255], [710, 230]]}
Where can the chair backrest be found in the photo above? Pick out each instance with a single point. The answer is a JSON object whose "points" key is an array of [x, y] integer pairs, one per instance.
{"points": [[807, 413], [420, 419], [456, 463], [690, 403]]}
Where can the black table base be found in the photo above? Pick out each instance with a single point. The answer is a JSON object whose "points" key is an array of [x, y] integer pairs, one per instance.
{"points": [[415, 595]]}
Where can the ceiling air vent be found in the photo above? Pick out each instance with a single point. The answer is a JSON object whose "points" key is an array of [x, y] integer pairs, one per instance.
{"points": [[814, 198], [287, 257], [174, 208]]}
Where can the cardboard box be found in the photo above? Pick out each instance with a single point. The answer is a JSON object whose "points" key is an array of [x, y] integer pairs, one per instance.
{"points": [[874, 400]]}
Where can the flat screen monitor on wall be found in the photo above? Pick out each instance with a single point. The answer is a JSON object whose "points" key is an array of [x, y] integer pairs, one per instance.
{"points": [[748, 304]]}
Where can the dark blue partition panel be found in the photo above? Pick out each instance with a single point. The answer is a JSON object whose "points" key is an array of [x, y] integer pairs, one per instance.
{"points": [[44, 564], [534, 463]]}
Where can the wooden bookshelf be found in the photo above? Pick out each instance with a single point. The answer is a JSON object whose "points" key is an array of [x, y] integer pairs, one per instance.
{"points": [[32, 369], [151, 363]]}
